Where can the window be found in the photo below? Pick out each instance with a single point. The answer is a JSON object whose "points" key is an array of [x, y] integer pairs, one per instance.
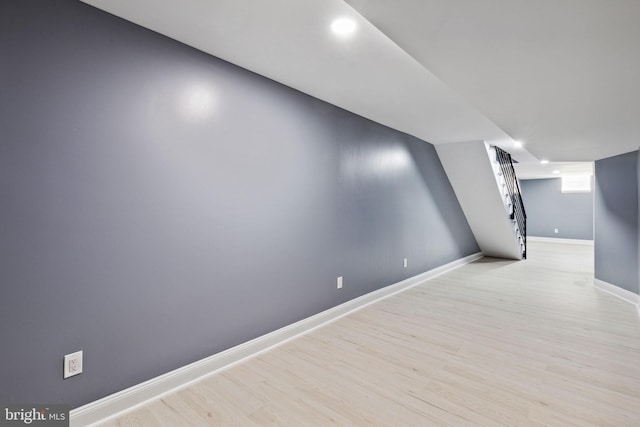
{"points": [[576, 184]]}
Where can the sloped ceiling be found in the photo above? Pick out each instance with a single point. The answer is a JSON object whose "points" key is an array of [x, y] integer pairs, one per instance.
{"points": [[563, 76], [560, 76]]}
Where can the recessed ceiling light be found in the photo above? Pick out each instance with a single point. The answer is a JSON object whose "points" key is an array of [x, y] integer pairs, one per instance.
{"points": [[343, 26], [517, 144], [556, 171], [544, 162]]}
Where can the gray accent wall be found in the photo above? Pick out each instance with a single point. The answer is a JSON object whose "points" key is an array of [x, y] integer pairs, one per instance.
{"points": [[616, 221], [159, 205], [549, 208]]}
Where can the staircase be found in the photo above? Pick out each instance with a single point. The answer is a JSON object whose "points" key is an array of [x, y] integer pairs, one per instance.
{"points": [[510, 189], [487, 188]]}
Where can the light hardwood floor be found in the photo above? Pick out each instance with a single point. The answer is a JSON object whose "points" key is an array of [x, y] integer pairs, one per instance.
{"points": [[494, 343]]}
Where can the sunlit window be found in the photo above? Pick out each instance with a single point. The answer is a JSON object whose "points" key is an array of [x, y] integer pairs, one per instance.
{"points": [[576, 184]]}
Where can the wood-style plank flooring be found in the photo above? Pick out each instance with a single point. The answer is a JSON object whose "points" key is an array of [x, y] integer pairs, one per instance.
{"points": [[494, 343]]}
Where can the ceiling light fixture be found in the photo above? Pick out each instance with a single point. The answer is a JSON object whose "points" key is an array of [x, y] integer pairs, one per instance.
{"points": [[556, 171], [343, 26], [544, 162], [517, 144]]}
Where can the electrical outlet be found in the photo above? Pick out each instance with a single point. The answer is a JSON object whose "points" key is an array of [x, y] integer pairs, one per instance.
{"points": [[339, 282], [405, 264], [555, 230], [72, 364]]}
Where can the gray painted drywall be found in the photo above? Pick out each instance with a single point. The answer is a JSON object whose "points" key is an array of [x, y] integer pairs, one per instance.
{"points": [[160, 205], [616, 220], [549, 208]]}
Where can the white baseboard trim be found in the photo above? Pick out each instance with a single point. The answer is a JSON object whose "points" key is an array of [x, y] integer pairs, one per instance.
{"points": [[117, 403], [618, 292], [558, 240]]}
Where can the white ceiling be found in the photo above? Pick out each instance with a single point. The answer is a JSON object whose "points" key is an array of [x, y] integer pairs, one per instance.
{"points": [[535, 170], [558, 75]]}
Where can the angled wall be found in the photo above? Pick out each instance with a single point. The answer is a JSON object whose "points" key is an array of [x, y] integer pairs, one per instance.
{"points": [[471, 173], [160, 205], [548, 208], [616, 221]]}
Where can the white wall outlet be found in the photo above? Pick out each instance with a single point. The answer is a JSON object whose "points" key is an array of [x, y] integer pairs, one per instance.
{"points": [[339, 284], [405, 264], [72, 364], [555, 230]]}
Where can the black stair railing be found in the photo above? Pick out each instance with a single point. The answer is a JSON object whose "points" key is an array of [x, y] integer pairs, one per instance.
{"points": [[517, 213]]}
